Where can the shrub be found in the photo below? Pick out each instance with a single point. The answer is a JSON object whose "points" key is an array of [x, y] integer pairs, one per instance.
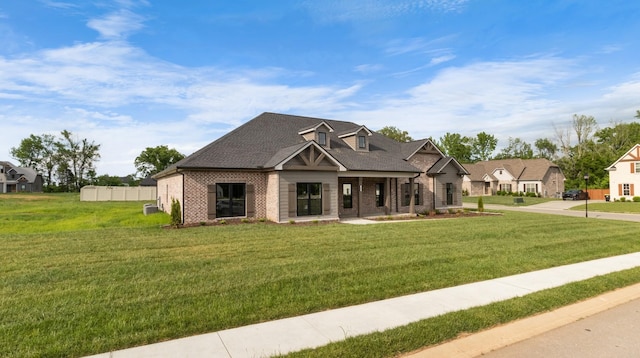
{"points": [[623, 199], [222, 222], [176, 213], [292, 221], [480, 204], [636, 199], [245, 220]]}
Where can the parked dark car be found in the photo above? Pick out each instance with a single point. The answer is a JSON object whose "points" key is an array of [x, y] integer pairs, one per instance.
{"points": [[575, 194]]}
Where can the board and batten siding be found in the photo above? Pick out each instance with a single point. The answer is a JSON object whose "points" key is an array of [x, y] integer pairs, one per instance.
{"points": [[287, 199]]}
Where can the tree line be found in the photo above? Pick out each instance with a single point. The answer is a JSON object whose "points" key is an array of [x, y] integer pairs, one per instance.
{"points": [[67, 163], [580, 149]]}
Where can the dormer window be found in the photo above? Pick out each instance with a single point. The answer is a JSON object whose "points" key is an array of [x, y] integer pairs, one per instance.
{"points": [[362, 142], [357, 138], [322, 138], [318, 132]]}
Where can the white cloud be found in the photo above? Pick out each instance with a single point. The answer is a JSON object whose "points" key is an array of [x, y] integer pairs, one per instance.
{"points": [[369, 10], [117, 25]]}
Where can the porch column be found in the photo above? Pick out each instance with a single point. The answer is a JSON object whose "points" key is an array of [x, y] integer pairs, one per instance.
{"points": [[387, 196], [412, 198], [359, 211]]}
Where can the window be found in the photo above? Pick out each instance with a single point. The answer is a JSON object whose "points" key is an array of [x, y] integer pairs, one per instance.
{"points": [[379, 194], [230, 199], [362, 142], [347, 196], [505, 187], [322, 138], [531, 188], [406, 195], [309, 199], [637, 166], [450, 189], [626, 189]]}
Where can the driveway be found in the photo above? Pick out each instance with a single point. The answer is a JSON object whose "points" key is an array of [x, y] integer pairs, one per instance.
{"points": [[561, 207]]}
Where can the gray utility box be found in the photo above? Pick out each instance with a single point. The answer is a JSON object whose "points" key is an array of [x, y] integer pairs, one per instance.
{"points": [[149, 209]]}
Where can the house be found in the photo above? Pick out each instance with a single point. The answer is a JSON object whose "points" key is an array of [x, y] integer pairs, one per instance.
{"points": [[15, 179], [624, 175], [539, 176], [292, 168]]}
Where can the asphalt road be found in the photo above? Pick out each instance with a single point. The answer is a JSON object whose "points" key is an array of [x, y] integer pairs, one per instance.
{"points": [[612, 333]]}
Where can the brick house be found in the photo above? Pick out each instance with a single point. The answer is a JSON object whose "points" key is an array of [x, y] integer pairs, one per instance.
{"points": [[624, 175], [284, 167], [539, 176]]}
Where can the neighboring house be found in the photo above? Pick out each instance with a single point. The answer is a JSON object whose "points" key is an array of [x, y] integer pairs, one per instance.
{"points": [[539, 176], [624, 175], [284, 167], [148, 181], [15, 179]]}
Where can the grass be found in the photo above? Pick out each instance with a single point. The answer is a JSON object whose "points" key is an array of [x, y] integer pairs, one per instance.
{"points": [[505, 200], [627, 207], [115, 279]]}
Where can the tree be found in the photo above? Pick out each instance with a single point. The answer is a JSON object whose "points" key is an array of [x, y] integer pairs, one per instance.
{"points": [[79, 157], [584, 126], [29, 152], [482, 146], [457, 146], [153, 160], [517, 148], [546, 149], [395, 134]]}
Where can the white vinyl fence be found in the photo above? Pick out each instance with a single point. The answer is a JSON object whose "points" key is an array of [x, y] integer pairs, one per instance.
{"points": [[118, 193]]}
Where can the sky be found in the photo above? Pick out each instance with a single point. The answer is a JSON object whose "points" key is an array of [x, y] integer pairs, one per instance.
{"points": [[132, 74]]}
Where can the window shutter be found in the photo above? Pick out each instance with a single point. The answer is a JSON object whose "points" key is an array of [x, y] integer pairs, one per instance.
{"points": [[326, 199], [620, 190], [211, 202], [404, 189], [251, 201], [292, 201], [631, 190], [633, 167]]}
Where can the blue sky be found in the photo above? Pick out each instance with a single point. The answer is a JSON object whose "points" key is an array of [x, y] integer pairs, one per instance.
{"points": [[131, 74]]}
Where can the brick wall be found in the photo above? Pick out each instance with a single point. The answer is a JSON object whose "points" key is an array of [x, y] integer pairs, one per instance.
{"points": [[169, 188], [196, 191]]}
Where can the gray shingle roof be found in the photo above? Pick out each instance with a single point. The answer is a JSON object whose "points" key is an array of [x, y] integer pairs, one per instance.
{"points": [[270, 137]]}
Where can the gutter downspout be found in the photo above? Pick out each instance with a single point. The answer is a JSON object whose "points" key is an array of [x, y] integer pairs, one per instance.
{"points": [[183, 199]]}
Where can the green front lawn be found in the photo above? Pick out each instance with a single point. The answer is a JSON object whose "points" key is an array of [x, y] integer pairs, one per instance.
{"points": [[84, 278], [627, 207], [505, 200]]}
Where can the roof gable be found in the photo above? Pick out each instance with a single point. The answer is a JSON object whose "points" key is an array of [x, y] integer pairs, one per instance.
{"points": [[310, 153], [426, 146], [440, 166], [632, 155]]}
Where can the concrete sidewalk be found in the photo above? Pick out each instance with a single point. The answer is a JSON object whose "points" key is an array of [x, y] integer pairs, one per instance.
{"points": [[318, 329]]}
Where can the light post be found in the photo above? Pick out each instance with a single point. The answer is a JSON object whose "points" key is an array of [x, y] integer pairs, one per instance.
{"points": [[586, 197]]}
